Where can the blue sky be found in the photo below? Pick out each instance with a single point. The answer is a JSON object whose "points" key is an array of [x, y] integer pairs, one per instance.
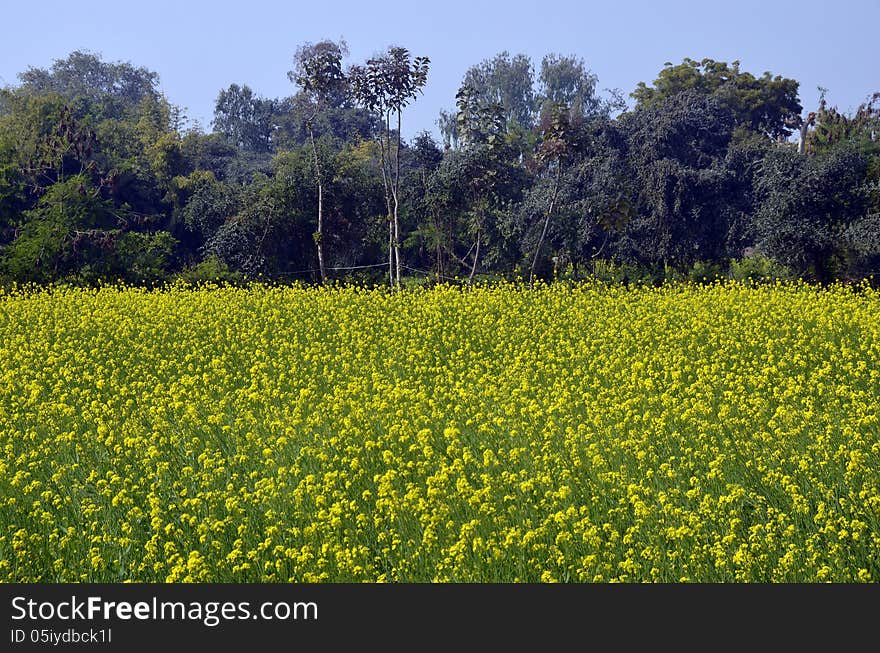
{"points": [[200, 47]]}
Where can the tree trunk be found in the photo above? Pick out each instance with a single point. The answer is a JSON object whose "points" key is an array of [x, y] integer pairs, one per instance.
{"points": [[385, 141], [476, 258], [437, 230], [390, 251], [546, 223], [319, 235], [804, 128], [438, 241], [396, 189]]}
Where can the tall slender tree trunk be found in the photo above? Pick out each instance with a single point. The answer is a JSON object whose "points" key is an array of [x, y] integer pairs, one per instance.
{"points": [[395, 190], [546, 222], [439, 264], [319, 235], [396, 241], [804, 129], [385, 141], [390, 251], [476, 258], [438, 238], [437, 228]]}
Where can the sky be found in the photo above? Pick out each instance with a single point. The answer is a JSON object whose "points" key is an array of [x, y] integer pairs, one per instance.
{"points": [[199, 48]]}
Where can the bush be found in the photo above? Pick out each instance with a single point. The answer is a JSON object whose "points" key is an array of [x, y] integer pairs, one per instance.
{"points": [[613, 273], [705, 272], [211, 269], [758, 267]]}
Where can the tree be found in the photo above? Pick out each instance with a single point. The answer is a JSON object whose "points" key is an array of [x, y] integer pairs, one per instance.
{"points": [[268, 230], [833, 127], [94, 87], [475, 185], [71, 227], [768, 105], [385, 86], [504, 81], [356, 199], [565, 80], [246, 120], [203, 203], [684, 194], [430, 233], [553, 152], [12, 189], [86, 203], [318, 72], [592, 199], [482, 128], [812, 209], [339, 121], [49, 141], [209, 152]]}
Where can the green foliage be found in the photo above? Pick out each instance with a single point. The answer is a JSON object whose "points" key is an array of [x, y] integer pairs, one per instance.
{"points": [[318, 72], [676, 151], [71, 226], [100, 179], [509, 82], [706, 271], [617, 273], [12, 188], [44, 137], [807, 204], [204, 203], [143, 257], [245, 120], [566, 80], [211, 269], [833, 127], [767, 104], [758, 267], [105, 91]]}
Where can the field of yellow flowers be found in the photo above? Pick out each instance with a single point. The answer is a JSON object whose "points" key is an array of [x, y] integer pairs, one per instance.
{"points": [[587, 433]]}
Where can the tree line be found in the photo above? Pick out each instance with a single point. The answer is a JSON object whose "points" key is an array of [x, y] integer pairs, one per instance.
{"points": [[714, 172]]}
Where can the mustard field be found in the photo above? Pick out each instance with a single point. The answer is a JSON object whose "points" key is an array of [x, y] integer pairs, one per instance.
{"points": [[587, 434]]}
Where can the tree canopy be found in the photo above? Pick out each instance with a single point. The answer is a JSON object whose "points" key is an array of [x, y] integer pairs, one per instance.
{"points": [[767, 104], [539, 175]]}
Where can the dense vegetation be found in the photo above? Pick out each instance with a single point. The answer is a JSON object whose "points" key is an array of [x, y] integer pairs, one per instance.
{"points": [[103, 179], [725, 432]]}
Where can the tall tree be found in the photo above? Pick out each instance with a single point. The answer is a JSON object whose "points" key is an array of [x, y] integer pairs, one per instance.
{"points": [[318, 72], [92, 86], [246, 120], [565, 80], [506, 81], [677, 154], [475, 186], [432, 232], [385, 86], [811, 207], [833, 127], [553, 152], [767, 104]]}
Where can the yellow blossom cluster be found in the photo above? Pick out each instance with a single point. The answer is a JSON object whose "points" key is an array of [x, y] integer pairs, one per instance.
{"points": [[566, 433]]}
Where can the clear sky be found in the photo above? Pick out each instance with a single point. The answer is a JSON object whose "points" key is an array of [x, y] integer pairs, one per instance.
{"points": [[200, 47]]}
